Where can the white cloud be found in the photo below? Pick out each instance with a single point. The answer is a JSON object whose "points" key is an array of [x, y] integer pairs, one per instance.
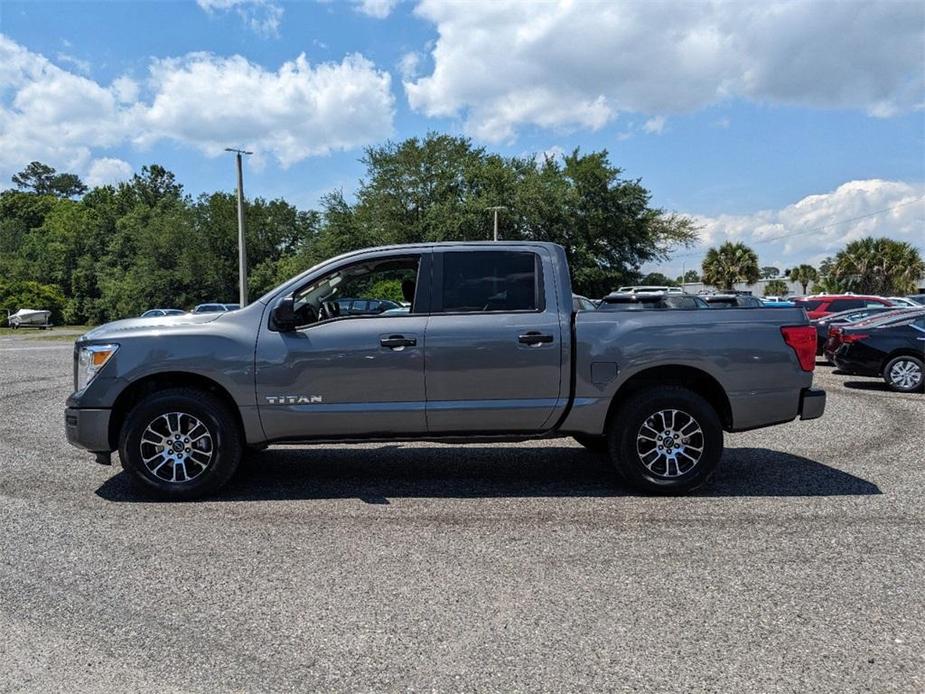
{"points": [[262, 16], [818, 225], [208, 102], [554, 152], [379, 9], [505, 64], [107, 171], [295, 112], [82, 66], [53, 115], [655, 125], [410, 65]]}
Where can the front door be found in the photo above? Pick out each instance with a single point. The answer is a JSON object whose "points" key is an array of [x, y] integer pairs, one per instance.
{"points": [[494, 353], [345, 375]]}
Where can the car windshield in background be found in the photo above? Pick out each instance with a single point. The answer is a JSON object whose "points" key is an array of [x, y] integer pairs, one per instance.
{"points": [[890, 317], [645, 301], [210, 308], [853, 315], [732, 301]]}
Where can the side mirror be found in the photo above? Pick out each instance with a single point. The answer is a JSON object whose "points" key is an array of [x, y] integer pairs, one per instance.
{"points": [[282, 317]]}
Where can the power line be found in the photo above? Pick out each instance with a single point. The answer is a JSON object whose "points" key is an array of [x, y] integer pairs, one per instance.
{"points": [[819, 228]]}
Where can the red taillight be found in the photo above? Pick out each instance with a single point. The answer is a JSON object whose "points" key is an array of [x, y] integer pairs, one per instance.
{"points": [[848, 338], [802, 338]]}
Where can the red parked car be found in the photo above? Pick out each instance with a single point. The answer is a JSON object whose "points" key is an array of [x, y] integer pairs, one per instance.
{"points": [[819, 306]]}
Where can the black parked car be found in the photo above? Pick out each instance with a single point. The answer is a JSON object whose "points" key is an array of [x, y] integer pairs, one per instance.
{"points": [[894, 350], [732, 301], [823, 324]]}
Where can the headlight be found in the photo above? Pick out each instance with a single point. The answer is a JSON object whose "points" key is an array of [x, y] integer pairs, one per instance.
{"points": [[90, 360]]}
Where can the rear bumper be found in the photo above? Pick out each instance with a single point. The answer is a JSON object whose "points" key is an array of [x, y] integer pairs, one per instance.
{"points": [[812, 403], [88, 428]]}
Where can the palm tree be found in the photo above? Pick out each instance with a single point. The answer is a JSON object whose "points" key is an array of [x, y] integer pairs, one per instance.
{"points": [[730, 263], [804, 274], [775, 288], [878, 266]]}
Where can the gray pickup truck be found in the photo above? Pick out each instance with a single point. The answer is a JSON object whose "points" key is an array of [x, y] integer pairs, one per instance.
{"points": [[489, 347]]}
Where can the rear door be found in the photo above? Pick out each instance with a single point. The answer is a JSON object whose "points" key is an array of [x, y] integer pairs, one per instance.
{"points": [[494, 350]]}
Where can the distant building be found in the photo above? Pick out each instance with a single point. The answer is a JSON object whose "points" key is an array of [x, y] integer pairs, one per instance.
{"points": [[757, 289]]}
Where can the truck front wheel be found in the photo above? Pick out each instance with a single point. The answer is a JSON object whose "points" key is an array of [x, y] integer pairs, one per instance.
{"points": [[181, 443], [666, 440]]}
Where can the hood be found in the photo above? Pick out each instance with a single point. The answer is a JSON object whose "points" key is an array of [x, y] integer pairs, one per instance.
{"points": [[155, 325]]}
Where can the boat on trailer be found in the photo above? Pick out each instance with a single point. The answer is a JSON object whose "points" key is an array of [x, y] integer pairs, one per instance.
{"points": [[29, 318]]}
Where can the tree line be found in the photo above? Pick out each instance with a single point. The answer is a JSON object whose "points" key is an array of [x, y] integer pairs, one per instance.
{"points": [[878, 266], [92, 255]]}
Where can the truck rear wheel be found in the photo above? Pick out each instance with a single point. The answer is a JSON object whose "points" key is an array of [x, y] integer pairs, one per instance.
{"points": [[181, 443], [666, 440]]}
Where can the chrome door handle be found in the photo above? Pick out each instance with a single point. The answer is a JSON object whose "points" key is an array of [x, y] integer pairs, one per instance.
{"points": [[397, 341], [533, 338]]}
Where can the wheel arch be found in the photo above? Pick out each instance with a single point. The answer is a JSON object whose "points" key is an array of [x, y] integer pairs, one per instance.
{"points": [[690, 377], [152, 383]]}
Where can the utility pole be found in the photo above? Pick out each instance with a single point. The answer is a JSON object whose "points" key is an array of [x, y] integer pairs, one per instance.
{"points": [[496, 209], [242, 250]]}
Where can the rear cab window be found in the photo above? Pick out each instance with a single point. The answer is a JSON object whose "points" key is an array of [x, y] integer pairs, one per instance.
{"points": [[490, 281]]}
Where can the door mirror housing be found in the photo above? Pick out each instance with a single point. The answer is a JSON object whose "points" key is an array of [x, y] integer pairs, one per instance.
{"points": [[282, 317]]}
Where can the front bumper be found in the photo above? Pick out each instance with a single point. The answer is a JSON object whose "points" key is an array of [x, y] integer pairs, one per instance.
{"points": [[812, 403], [88, 428]]}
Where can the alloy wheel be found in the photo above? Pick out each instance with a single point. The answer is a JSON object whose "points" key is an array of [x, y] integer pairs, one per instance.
{"points": [[670, 443], [906, 374], [177, 447]]}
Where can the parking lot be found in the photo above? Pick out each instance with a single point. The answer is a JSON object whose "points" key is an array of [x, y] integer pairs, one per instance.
{"points": [[485, 567]]}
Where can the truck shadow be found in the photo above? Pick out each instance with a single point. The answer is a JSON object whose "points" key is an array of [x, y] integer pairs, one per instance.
{"points": [[379, 474]]}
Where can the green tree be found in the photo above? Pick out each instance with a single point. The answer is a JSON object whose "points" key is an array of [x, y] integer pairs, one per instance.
{"points": [[728, 264], [827, 282], [769, 272], [776, 287], [804, 274], [439, 188], [658, 279], [18, 294], [878, 266], [44, 180]]}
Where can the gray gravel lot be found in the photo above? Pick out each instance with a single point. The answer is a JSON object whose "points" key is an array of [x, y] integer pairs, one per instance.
{"points": [[491, 568]]}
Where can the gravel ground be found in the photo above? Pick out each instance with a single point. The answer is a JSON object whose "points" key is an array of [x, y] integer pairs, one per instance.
{"points": [[492, 568]]}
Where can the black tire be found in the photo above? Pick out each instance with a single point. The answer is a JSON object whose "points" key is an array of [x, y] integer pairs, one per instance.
{"points": [[904, 374], [595, 444], [174, 410], [628, 448]]}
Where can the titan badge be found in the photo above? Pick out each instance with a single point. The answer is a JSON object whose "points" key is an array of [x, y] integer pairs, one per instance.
{"points": [[293, 399]]}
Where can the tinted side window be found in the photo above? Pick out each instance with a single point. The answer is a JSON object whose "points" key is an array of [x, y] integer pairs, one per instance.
{"points": [[489, 281], [845, 304], [809, 305]]}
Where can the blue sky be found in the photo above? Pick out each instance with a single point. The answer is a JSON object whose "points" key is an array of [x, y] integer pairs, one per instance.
{"points": [[759, 120]]}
